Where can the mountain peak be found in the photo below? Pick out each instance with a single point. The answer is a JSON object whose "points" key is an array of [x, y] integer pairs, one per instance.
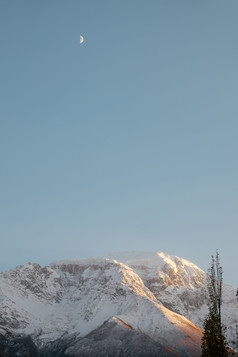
{"points": [[159, 296]]}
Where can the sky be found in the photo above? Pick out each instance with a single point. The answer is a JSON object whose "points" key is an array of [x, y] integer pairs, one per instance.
{"points": [[127, 141]]}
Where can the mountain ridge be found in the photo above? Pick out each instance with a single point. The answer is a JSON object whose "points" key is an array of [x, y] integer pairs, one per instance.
{"points": [[159, 296]]}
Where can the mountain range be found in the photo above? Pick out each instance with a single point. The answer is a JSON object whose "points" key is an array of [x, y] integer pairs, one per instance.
{"points": [[125, 304]]}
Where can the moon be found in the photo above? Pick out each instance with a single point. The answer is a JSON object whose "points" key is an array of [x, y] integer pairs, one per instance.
{"points": [[81, 39]]}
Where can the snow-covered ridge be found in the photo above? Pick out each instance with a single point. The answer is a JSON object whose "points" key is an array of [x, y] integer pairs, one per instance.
{"points": [[155, 294], [171, 269]]}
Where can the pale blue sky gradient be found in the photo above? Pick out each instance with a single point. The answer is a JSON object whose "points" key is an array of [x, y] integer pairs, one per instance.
{"points": [[125, 142]]}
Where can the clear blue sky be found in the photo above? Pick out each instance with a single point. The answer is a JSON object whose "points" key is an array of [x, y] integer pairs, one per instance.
{"points": [[125, 142]]}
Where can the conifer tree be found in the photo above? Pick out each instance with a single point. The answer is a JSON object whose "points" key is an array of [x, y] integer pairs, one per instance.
{"points": [[213, 340], [236, 341]]}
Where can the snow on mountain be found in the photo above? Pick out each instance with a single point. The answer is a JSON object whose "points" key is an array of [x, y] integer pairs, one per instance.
{"points": [[177, 283], [158, 297], [180, 286]]}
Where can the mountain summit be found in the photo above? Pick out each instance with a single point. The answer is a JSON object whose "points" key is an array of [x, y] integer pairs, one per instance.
{"points": [[127, 304]]}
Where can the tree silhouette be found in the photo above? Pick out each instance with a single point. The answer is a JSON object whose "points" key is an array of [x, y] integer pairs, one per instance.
{"points": [[213, 340]]}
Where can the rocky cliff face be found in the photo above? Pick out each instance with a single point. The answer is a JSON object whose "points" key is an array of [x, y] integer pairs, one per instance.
{"points": [[127, 305]]}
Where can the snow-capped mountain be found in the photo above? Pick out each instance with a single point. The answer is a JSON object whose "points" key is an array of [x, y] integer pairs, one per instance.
{"points": [[137, 304]]}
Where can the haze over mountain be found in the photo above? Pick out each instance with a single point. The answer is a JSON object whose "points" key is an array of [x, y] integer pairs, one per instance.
{"points": [[137, 304]]}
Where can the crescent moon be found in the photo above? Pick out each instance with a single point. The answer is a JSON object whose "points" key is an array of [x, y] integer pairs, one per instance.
{"points": [[81, 39]]}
